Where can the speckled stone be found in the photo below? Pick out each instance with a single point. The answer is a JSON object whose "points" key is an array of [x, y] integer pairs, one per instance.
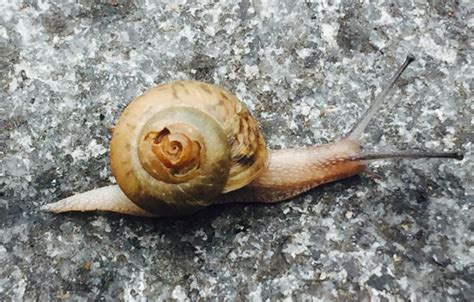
{"points": [[307, 70]]}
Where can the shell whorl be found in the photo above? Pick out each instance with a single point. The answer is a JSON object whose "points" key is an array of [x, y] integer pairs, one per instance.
{"points": [[180, 145]]}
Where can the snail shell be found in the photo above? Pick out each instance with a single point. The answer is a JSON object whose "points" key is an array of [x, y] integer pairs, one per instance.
{"points": [[178, 146]]}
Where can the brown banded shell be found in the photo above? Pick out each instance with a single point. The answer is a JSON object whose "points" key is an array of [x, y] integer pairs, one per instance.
{"points": [[180, 145]]}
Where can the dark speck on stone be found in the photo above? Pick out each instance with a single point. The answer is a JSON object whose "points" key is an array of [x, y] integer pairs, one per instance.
{"points": [[55, 24], [308, 71], [382, 283], [202, 67], [8, 59], [353, 34]]}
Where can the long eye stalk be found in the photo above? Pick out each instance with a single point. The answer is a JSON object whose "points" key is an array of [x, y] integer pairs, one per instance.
{"points": [[408, 155], [359, 129]]}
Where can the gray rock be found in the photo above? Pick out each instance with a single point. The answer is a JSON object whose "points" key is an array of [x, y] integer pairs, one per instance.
{"points": [[307, 70]]}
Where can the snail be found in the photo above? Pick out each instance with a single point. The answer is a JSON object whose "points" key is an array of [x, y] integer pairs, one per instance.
{"points": [[185, 145]]}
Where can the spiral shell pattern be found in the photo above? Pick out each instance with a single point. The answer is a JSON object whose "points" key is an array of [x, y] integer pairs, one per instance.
{"points": [[180, 145]]}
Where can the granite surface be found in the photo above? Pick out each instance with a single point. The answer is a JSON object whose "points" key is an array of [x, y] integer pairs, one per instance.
{"points": [[307, 70]]}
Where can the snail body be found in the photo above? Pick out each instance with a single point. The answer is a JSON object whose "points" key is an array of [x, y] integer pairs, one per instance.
{"points": [[185, 145]]}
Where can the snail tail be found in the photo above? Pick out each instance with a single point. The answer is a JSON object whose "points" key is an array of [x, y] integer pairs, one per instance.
{"points": [[109, 199]]}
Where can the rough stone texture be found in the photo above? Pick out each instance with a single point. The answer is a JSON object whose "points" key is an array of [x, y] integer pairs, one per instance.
{"points": [[307, 69]]}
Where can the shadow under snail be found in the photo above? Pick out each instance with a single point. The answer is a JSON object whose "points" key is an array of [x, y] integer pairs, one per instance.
{"points": [[185, 145]]}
